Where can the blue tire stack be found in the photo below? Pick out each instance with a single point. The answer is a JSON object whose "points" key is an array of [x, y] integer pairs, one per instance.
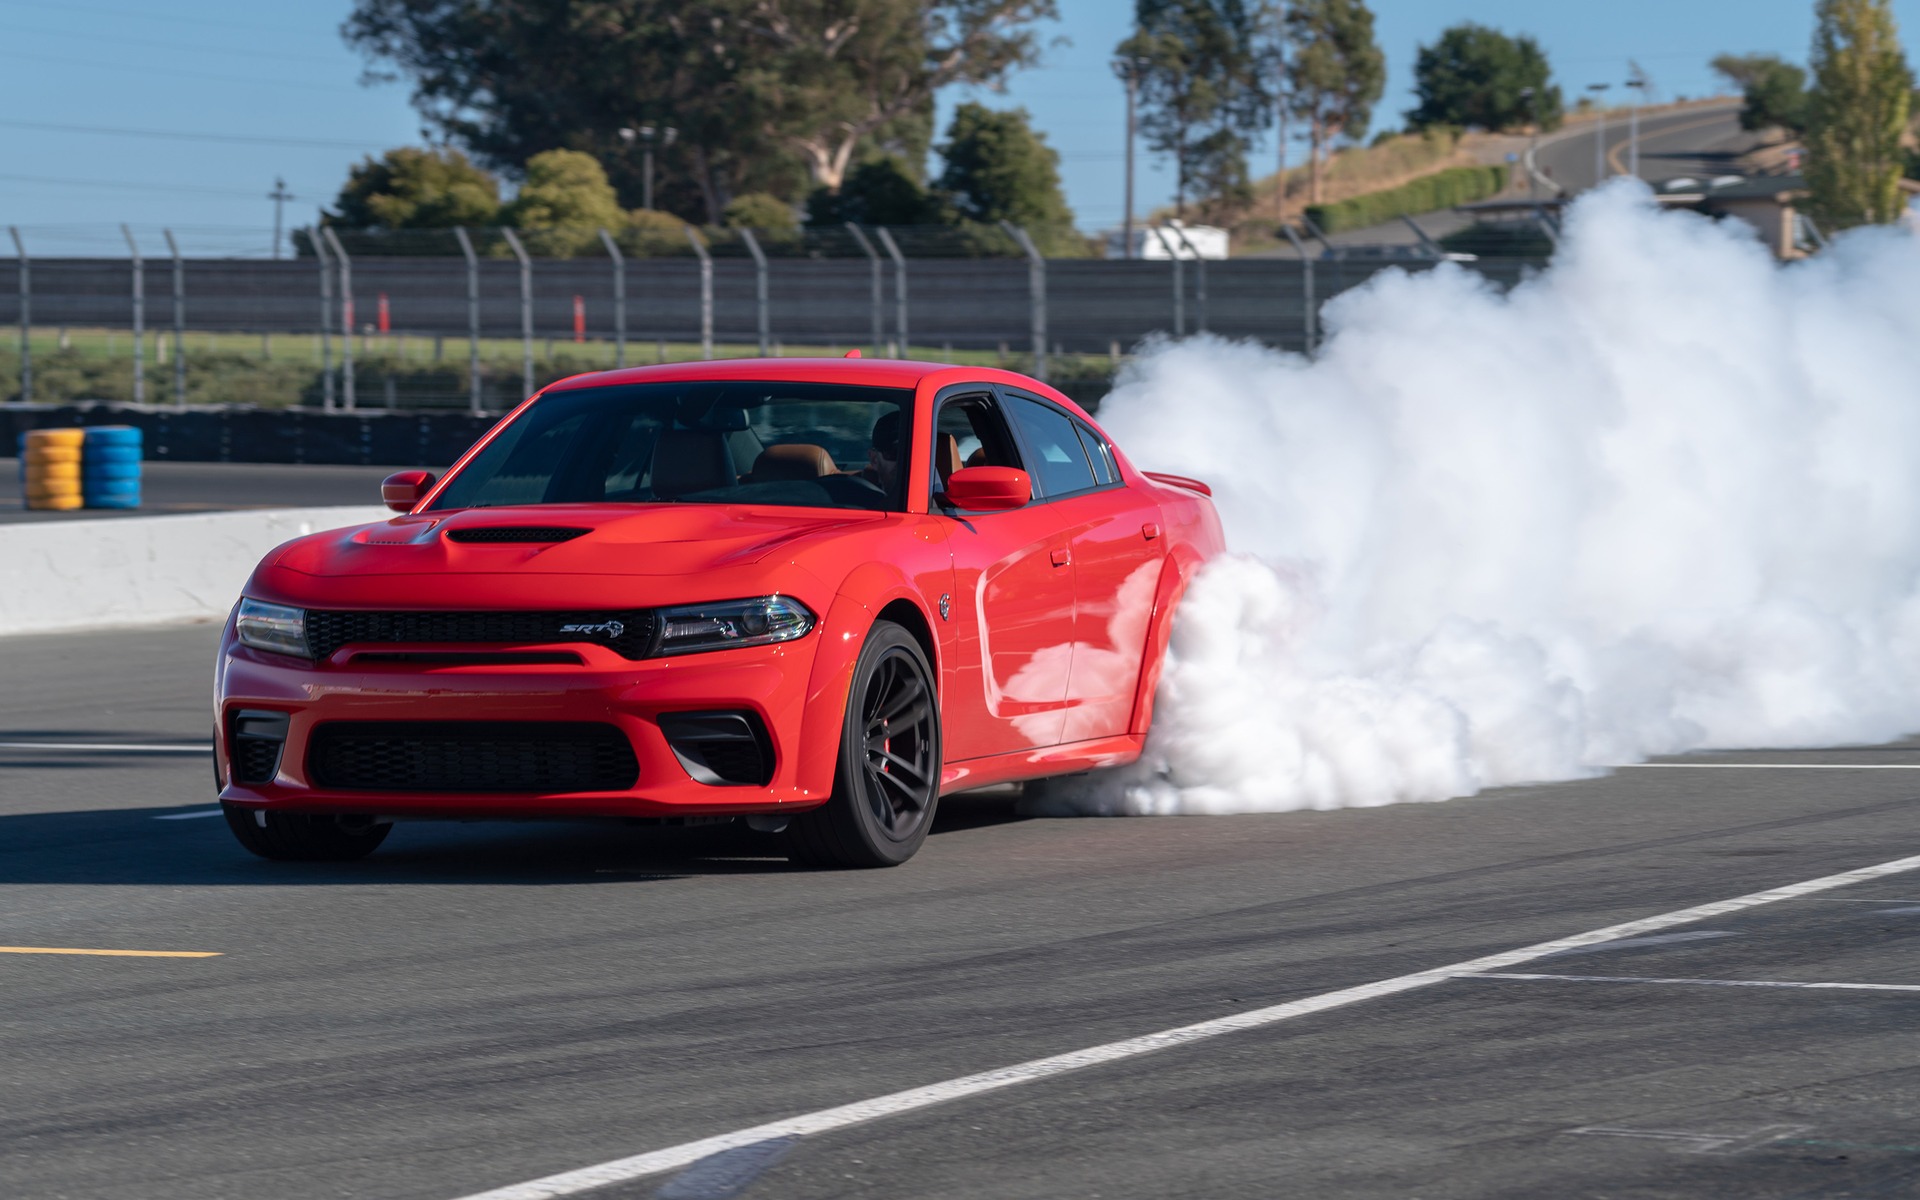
{"points": [[110, 467]]}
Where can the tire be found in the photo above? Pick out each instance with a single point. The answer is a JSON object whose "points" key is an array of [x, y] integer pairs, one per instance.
{"points": [[887, 782], [303, 837]]}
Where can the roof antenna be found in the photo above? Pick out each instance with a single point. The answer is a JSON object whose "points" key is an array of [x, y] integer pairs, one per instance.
{"points": [[854, 353]]}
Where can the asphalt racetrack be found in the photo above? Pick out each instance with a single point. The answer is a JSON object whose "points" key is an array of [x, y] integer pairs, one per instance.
{"points": [[170, 488], [479, 1006]]}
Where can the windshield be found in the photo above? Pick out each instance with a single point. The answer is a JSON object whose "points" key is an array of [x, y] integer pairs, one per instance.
{"points": [[812, 445]]}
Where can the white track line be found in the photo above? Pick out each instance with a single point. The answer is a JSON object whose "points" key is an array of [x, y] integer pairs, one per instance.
{"points": [[110, 747], [1741, 983], [191, 816], [623, 1170], [1768, 767]]}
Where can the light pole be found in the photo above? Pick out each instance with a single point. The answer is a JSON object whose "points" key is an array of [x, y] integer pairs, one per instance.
{"points": [[1532, 98], [1129, 69], [1639, 85], [1599, 132], [647, 136], [279, 195]]}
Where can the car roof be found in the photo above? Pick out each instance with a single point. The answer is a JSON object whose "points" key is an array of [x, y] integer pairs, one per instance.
{"points": [[868, 372]]}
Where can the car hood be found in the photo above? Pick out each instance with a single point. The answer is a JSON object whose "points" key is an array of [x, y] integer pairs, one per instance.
{"points": [[616, 540]]}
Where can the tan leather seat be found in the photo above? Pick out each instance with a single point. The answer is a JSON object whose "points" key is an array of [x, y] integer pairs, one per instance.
{"points": [[946, 455], [691, 460], [800, 460]]}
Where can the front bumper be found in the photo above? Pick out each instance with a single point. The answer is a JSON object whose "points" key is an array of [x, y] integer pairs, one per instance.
{"points": [[771, 682]]}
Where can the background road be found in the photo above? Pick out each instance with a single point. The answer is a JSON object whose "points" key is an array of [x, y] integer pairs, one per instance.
{"points": [[1704, 140], [482, 1004]]}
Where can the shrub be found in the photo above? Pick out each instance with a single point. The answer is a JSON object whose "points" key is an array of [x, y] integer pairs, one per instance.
{"points": [[1445, 189]]}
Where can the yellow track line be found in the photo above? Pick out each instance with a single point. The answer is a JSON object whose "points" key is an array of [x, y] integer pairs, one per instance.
{"points": [[1618, 163], [112, 953]]}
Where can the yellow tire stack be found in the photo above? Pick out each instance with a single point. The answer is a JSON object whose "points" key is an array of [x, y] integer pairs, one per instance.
{"points": [[50, 468]]}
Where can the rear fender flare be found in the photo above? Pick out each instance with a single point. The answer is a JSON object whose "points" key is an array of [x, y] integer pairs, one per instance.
{"points": [[1182, 564]]}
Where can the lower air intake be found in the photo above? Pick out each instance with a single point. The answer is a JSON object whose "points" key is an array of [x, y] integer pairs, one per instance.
{"points": [[722, 749], [471, 756]]}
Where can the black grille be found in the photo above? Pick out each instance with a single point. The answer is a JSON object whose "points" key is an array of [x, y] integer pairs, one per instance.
{"points": [[728, 749], [514, 533], [256, 739], [471, 756], [628, 633]]}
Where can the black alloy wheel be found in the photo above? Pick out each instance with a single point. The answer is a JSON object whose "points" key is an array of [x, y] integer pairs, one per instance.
{"points": [[888, 780], [305, 837]]}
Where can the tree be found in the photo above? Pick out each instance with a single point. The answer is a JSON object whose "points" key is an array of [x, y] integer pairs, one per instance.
{"points": [[880, 191], [564, 203], [1856, 114], [847, 69], [999, 169], [1335, 74], [1476, 77], [409, 188], [758, 210], [1775, 90], [1201, 69]]}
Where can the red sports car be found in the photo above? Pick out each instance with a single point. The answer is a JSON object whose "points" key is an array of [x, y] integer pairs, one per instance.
{"points": [[814, 594]]}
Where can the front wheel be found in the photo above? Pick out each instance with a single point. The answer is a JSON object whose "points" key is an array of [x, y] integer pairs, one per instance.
{"points": [[304, 837], [888, 779]]}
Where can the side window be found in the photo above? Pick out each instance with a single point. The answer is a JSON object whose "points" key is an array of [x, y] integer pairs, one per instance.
{"points": [[1060, 465], [970, 433], [1099, 454]]}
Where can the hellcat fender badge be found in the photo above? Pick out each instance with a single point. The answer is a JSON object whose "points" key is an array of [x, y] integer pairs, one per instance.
{"points": [[946, 605]]}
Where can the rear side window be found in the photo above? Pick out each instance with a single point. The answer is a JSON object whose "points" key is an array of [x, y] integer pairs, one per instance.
{"points": [[1060, 465], [1099, 454]]}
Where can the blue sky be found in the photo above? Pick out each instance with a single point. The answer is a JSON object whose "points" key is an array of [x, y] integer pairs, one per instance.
{"points": [[276, 72]]}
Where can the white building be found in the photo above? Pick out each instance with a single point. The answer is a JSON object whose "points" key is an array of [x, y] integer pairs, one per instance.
{"points": [[1152, 241]]}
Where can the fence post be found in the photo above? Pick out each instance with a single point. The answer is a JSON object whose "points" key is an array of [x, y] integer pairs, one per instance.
{"points": [[1312, 313], [526, 311], [706, 292], [1179, 283], [879, 287], [179, 322], [26, 317], [1199, 280], [473, 320], [1036, 293], [765, 316], [347, 399], [139, 318], [899, 287], [619, 299], [326, 316]]}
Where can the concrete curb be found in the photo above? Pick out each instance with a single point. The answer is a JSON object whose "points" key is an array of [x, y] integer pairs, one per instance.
{"points": [[144, 570]]}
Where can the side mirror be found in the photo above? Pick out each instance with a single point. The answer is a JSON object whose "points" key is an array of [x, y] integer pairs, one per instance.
{"points": [[401, 491], [989, 489]]}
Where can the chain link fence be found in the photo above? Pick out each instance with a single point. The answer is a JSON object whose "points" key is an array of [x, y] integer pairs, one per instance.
{"points": [[476, 319]]}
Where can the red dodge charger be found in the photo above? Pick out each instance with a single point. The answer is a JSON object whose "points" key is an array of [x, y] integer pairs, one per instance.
{"points": [[813, 594]]}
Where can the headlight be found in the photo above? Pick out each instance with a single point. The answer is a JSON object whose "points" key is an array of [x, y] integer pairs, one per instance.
{"points": [[272, 627], [725, 624]]}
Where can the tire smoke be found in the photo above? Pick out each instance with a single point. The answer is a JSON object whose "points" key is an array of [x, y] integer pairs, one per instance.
{"points": [[1663, 496]]}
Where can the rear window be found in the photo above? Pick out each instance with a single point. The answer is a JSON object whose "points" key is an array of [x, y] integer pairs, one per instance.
{"points": [[809, 445]]}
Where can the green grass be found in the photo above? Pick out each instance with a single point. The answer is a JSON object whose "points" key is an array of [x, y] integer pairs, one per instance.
{"points": [[284, 369]]}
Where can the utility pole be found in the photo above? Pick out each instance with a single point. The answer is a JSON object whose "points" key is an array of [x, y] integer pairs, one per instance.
{"points": [[279, 195], [1599, 91], [1285, 114], [647, 135], [1128, 69]]}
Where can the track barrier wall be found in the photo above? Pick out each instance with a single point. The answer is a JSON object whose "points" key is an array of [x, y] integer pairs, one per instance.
{"points": [[83, 574]]}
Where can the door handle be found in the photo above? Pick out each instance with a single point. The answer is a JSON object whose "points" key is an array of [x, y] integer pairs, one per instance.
{"points": [[1062, 557], [1149, 531]]}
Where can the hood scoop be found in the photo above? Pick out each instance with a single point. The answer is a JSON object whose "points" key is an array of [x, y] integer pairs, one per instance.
{"points": [[514, 534]]}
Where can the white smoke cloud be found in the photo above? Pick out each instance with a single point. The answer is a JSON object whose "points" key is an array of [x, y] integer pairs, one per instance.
{"points": [[1665, 495]]}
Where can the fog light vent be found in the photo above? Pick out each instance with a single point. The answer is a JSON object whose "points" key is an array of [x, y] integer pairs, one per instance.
{"points": [[255, 740], [722, 749]]}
